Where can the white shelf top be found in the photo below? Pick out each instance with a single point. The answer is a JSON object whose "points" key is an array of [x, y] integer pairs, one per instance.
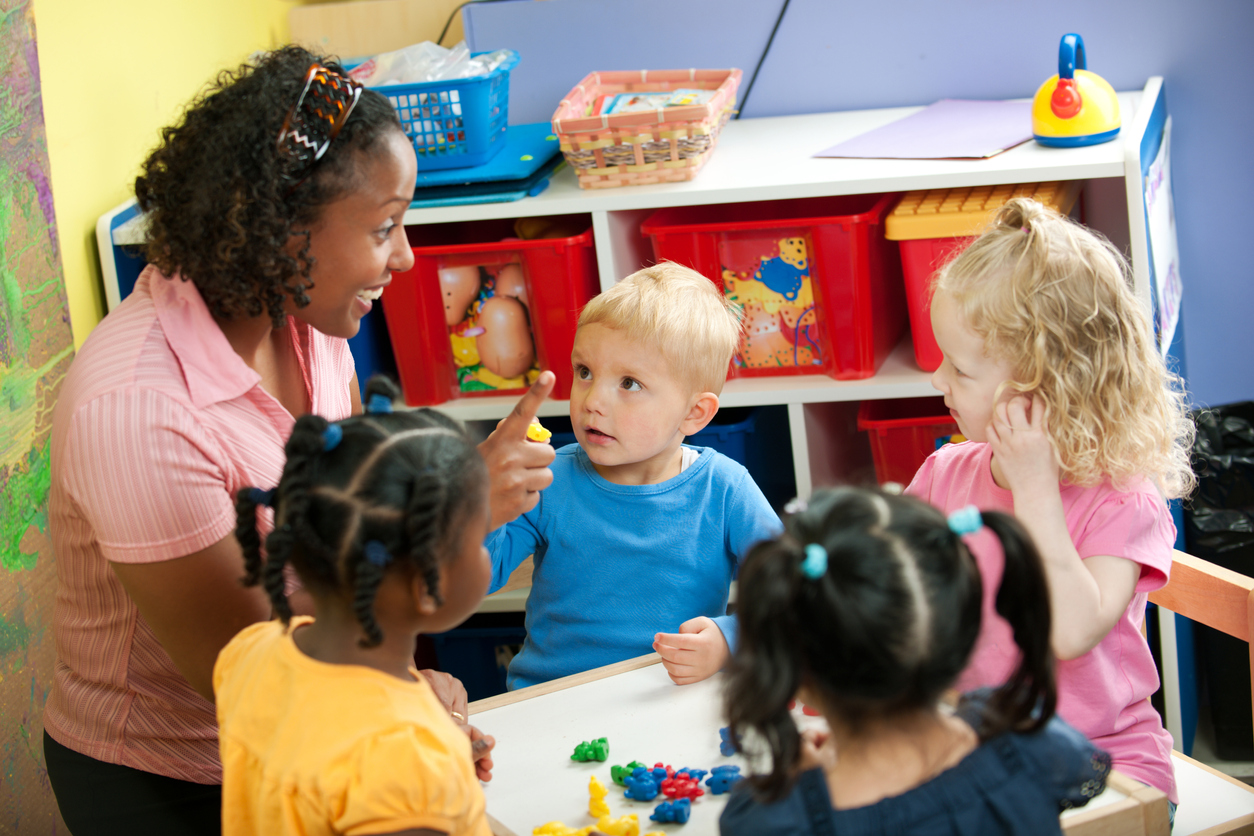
{"points": [[771, 159], [898, 377]]}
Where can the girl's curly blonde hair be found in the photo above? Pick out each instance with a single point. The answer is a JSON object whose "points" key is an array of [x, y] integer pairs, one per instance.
{"points": [[1053, 299]]}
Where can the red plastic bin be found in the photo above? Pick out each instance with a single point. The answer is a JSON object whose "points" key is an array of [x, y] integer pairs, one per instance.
{"points": [[903, 433], [933, 226], [820, 285], [452, 340]]}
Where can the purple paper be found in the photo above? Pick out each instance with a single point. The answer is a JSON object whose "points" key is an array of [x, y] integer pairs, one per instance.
{"points": [[951, 128]]}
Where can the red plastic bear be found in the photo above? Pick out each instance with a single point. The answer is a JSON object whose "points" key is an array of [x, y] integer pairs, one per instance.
{"points": [[682, 786]]}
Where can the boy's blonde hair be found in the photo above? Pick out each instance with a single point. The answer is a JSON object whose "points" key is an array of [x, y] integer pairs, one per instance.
{"points": [[1053, 299], [679, 311]]}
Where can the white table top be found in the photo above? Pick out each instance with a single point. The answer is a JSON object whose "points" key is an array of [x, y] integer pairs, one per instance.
{"points": [[649, 719]]}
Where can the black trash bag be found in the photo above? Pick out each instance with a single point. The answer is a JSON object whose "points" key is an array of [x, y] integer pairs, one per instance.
{"points": [[1219, 527]]}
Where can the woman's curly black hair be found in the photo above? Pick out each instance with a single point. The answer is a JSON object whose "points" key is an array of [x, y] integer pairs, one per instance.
{"points": [[219, 212], [393, 491]]}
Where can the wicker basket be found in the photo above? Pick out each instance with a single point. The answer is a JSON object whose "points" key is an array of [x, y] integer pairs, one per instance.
{"points": [[654, 146]]}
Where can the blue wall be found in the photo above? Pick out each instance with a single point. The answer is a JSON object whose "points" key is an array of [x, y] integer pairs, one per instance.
{"points": [[832, 55]]}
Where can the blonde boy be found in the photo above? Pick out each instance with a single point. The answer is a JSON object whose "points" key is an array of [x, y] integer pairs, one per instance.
{"points": [[638, 532]]}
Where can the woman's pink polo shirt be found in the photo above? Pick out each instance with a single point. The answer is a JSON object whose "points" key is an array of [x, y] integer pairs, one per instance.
{"points": [[158, 424]]}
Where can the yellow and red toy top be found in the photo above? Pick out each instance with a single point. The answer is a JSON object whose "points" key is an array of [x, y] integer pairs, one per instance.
{"points": [[1075, 107]]}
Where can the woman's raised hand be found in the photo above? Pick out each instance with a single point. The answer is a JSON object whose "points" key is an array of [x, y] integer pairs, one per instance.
{"points": [[518, 469]]}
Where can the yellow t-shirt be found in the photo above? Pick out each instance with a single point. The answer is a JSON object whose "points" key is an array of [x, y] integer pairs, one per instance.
{"points": [[312, 748]]}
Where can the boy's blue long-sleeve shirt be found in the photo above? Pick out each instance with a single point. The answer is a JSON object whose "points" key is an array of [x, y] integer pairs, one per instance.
{"points": [[616, 564]]}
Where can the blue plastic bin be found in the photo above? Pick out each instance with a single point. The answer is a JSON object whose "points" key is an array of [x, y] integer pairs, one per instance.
{"points": [[456, 123], [472, 653]]}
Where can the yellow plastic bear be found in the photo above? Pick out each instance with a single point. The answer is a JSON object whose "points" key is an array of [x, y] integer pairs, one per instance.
{"points": [[596, 801]]}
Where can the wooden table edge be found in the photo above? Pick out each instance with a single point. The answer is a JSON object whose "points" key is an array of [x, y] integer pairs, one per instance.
{"points": [[500, 700]]}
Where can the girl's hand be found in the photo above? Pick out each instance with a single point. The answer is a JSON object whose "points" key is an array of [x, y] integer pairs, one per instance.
{"points": [[481, 746], [1021, 446], [696, 652], [450, 692], [815, 751]]}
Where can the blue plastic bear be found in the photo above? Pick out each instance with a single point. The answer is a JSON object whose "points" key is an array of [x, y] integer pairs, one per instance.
{"points": [[727, 746], [673, 811], [640, 785], [722, 777]]}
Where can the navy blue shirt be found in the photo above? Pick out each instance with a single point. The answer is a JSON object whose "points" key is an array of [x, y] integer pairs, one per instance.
{"points": [[1013, 784]]}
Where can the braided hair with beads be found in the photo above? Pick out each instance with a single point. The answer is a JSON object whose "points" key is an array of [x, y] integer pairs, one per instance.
{"points": [[361, 497]]}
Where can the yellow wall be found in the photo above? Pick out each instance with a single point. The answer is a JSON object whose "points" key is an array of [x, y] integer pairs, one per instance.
{"points": [[114, 72]]}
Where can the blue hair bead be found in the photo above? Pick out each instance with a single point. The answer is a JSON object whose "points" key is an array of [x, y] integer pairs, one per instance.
{"points": [[331, 437], [378, 404], [814, 566], [377, 553], [260, 497], [966, 521]]}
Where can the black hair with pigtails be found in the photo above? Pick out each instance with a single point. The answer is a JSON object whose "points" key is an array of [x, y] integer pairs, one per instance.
{"points": [[872, 602], [380, 492]]}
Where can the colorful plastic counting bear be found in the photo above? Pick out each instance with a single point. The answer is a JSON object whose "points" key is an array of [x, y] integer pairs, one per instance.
{"points": [[596, 798], [557, 828], [596, 750], [722, 777], [673, 811], [727, 746], [627, 825], [694, 774], [641, 785], [620, 773], [681, 786]]}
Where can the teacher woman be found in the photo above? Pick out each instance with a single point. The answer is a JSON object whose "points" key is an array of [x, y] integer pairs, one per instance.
{"points": [[274, 212]]}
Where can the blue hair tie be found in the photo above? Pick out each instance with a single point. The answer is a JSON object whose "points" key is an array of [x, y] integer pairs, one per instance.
{"points": [[377, 553], [815, 564], [966, 521], [378, 404], [260, 497], [331, 437]]}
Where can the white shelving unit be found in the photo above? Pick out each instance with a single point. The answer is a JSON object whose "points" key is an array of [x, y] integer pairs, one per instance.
{"points": [[770, 159]]}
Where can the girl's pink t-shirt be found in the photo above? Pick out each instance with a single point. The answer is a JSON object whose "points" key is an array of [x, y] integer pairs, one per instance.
{"points": [[158, 424], [1104, 693]]}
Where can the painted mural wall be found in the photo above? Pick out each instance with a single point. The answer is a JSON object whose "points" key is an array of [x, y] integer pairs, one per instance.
{"points": [[36, 347]]}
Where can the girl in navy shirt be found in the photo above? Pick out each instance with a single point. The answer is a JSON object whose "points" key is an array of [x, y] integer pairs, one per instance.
{"points": [[867, 608]]}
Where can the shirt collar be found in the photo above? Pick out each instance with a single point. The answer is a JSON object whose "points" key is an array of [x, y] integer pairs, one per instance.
{"points": [[211, 368]]}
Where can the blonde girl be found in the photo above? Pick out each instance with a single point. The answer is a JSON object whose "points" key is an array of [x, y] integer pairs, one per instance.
{"points": [[1076, 425]]}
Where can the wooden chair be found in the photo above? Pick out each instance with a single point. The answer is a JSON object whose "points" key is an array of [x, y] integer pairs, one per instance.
{"points": [[1222, 599], [1210, 595]]}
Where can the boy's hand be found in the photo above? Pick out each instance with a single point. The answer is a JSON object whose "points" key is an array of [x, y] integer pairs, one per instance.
{"points": [[696, 652], [481, 746], [518, 469]]}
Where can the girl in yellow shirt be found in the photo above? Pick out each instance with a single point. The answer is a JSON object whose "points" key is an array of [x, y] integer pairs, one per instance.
{"points": [[326, 727]]}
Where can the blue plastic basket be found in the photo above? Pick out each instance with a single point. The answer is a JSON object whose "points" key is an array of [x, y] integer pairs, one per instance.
{"points": [[456, 123]]}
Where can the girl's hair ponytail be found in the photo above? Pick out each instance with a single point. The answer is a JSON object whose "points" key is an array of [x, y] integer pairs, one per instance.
{"points": [[1027, 700], [767, 670]]}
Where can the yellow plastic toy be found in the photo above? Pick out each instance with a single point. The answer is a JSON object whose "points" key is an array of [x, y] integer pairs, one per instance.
{"points": [[627, 825], [536, 432], [596, 798], [1075, 107]]}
